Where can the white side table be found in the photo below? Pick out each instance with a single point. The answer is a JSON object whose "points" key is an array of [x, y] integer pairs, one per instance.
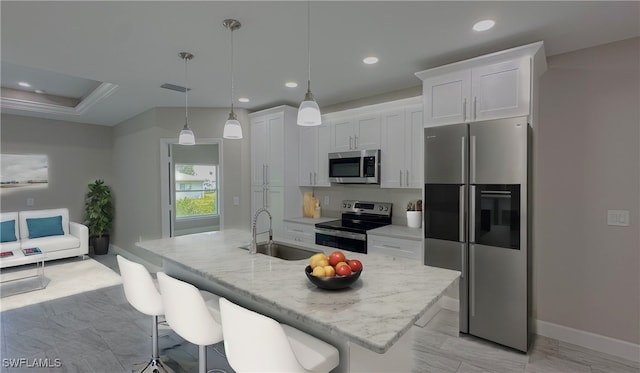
{"points": [[20, 257]]}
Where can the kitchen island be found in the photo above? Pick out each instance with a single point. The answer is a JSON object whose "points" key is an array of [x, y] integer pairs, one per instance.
{"points": [[374, 313]]}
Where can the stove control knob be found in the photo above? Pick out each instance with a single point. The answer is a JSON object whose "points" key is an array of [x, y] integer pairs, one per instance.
{"points": [[386, 208], [344, 205], [349, 205], [380, 208]]}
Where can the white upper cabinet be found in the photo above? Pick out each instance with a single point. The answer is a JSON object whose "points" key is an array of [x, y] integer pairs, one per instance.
{"points": [[401, 147], [494, 86], [501, 90], [355, 132], [275, 164], [314, 150], [446, 98]]}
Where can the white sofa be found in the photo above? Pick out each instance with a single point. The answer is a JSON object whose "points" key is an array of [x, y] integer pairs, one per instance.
{"points": [[71, 240]]}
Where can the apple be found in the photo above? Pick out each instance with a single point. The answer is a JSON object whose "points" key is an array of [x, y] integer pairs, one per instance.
{"points": [[355, 265], [340, 264], [336, 257], [343, 271]]}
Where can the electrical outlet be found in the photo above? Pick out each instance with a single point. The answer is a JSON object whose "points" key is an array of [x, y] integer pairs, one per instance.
{"points": [[326, 201], [618, 217], [236, 201], [30, 201]]}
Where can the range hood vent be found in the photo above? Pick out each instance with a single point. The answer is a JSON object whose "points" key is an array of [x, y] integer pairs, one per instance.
{"points": [[173, 87]]}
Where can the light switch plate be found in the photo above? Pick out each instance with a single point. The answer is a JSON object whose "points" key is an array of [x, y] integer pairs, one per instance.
{"points": [[236, 201], [326, 201], [30, 201], [618, 217]]}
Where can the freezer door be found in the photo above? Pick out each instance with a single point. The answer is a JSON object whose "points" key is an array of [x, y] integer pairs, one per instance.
{"points": [[451, 255], [498, 295], [498, 151], [446, 153]]}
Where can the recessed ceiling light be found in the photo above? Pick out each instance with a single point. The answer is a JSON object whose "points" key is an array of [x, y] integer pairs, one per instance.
{"points": [[291, 84], [24, 84], [484, 25], [243, 99], [39, 91], [370, 60]]}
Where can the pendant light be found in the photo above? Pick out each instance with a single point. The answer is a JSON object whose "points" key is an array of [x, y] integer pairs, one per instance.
{"points": [[309, 112], [232, 128], [186, 135]]}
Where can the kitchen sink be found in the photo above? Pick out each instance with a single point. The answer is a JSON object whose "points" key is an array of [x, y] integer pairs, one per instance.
{"points": [[282, 251]]}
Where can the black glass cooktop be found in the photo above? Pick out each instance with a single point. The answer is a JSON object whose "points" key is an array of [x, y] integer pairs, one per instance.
{"points": [[352, 225]]}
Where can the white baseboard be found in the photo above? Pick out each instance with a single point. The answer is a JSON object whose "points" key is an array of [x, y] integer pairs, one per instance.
{"points": [[601, 343], [597, 342]]}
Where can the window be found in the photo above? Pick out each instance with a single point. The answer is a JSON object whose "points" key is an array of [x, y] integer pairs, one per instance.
{"points": [[196, 190]]}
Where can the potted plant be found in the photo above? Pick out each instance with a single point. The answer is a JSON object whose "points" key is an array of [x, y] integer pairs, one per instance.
{"points": [[414, 214], [99, 216]]}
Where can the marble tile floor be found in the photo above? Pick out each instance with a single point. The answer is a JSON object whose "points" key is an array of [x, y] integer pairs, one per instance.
{"points": [[98, 331]]}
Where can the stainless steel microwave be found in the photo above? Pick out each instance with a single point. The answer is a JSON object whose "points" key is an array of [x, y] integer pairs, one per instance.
{"points": [[355, 167]]}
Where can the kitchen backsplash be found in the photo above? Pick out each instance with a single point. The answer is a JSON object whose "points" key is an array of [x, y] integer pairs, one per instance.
{"points": [[338, 193]]}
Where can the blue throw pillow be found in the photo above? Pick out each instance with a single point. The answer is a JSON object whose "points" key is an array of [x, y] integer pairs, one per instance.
{"points": [[43, 227], [8, 231]]}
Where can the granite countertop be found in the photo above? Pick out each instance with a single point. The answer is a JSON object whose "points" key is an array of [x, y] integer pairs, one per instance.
{"points": [[374, 313], [397, 231], [310, 221]]}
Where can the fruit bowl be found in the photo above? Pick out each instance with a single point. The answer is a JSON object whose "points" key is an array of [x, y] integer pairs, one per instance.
{"points": [[332, 283]]}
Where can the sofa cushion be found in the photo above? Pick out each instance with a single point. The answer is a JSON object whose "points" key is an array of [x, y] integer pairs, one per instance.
{"points": [[9, 246], [44, 227], [5, 219], [8, 231], [52, 243], [34, 214]]}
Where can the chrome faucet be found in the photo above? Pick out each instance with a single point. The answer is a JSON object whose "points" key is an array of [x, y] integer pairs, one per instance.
{"points": [[254, 247]]}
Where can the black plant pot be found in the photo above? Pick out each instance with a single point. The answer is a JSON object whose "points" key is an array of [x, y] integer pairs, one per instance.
{"points": [[100, 244]]}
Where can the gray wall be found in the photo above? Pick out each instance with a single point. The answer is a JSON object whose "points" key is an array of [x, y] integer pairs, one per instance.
{"points": [[586, 274], [78, 154], [136, 164]]}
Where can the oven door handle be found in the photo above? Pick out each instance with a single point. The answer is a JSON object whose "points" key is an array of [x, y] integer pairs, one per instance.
{"points": [[343, 234]]}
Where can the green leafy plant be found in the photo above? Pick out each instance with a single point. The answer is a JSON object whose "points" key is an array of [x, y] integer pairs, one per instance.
{"points": [[98, 209]]}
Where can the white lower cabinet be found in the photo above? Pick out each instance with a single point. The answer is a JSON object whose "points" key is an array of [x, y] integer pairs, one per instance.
{"points": [[396, 247], [300, 232]]}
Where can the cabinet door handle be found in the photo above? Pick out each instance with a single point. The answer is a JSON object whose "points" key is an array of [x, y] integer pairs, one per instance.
{"points": [[406, 178], [310, 182], [264, 173], [400, 177], [355, 142], [464, 109], [315, 178], [475, 107]]}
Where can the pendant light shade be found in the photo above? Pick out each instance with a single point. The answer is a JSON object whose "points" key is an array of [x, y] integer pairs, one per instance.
{"points": [[309, 112], [232, 128], [186, 135]]}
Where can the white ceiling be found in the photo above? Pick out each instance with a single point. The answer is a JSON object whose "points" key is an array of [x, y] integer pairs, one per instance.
{"points": [[135, 45]]}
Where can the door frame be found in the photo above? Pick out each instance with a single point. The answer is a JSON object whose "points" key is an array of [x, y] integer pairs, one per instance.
{"points": [[167, 189]]}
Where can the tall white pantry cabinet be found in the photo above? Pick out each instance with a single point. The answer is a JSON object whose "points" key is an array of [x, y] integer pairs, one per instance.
{"points": [[274, 166]]}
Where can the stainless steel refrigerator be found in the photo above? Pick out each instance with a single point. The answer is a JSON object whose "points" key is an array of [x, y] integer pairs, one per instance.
{"points": [[475, 208]]}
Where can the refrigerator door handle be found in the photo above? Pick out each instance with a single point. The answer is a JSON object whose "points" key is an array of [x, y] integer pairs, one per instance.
{"points": [[461, 213], [462, 159], [472, 287], [462, 228], [472, 214], [472, 157]]}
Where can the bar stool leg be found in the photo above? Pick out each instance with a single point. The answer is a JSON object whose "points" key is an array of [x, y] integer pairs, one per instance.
{"points": [[202, 364]]}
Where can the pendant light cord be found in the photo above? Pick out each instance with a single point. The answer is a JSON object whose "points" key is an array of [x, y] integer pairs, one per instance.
{"points": [[309, 43], [232, 82], [186, 92]]}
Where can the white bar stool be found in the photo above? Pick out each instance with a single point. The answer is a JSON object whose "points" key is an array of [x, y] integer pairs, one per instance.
{"points": [[190, 316], [257, 343], [142, 294]]}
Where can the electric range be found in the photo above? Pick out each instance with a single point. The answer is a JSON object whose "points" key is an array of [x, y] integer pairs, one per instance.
{"points": [[350, 232]]}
